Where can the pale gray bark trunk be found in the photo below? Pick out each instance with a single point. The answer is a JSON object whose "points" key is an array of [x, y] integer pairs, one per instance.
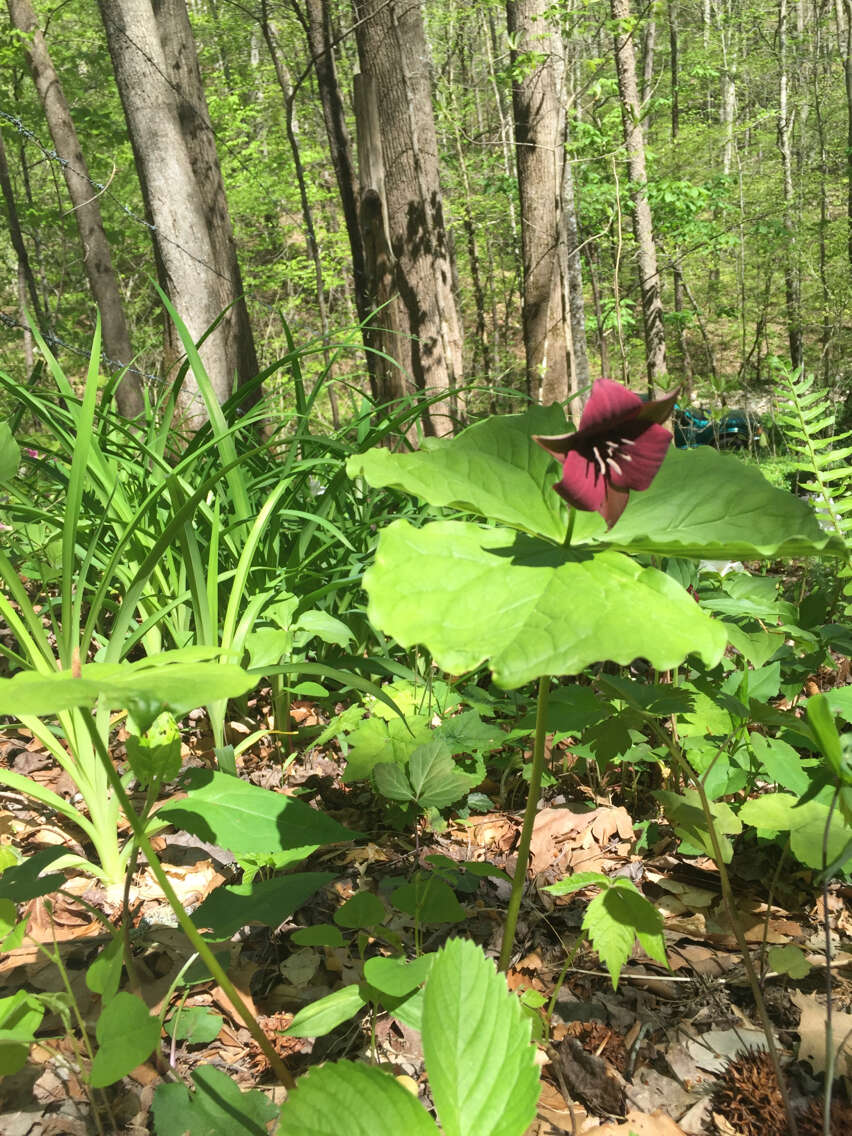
{"points": [[84, 197], [185, 259], [394, 56], [539, 152], [183, 70], [649, 279]]}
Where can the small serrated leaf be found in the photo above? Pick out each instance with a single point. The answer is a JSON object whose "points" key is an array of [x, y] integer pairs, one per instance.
{"points": [[476, 1039]]}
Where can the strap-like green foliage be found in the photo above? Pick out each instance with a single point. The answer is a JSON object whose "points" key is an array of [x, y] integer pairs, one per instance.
{"points": [[808, 421]]}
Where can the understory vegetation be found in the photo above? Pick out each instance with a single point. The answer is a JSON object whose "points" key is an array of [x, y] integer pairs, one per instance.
{"points": [[274, 702]]}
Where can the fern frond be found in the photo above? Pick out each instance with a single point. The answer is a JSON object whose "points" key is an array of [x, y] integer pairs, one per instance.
{"points": [[821, 454]]}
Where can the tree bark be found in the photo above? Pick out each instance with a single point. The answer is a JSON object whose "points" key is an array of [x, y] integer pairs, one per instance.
{"points": [[539, 155], [394, 58], [84, 197], [288, 93], [200, 139], [322, 56], [25, 272], [643, 230], [186, 263]]}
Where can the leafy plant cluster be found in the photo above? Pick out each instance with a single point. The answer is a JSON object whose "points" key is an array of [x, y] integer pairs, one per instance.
{"points": [[143, 577]]}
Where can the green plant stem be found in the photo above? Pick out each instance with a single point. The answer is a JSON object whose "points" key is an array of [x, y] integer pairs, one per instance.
{"points": [[728, 897], [536, 773], [276, 1064], [830, 1055]]}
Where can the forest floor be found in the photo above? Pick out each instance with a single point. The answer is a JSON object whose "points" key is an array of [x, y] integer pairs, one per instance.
{"points": [[656, 1050]]}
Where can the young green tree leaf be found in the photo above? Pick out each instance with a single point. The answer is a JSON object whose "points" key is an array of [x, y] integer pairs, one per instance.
{"points": [[476, 1039], [348, 1099], [127, 1035]]}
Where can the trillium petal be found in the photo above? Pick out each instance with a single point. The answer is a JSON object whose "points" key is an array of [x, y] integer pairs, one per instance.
{"points": [[582, 484], [614, 505], [609, 403], [640, 458]]}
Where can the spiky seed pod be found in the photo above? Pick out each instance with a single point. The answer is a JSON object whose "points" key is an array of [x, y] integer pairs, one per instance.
{"points": [[748, 1097]]}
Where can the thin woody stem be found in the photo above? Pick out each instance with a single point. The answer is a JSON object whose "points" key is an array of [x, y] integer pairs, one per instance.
{"points": [[536, 773]]}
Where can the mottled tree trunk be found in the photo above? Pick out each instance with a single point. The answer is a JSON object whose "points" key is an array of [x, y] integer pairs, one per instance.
{"points": [[84, 197], [183, 70], [394, 58], [643, 230], [539, 150], [186, 262]]}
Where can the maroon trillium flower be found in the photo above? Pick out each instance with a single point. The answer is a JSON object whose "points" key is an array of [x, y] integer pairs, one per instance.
{"points": [[619, 446]]}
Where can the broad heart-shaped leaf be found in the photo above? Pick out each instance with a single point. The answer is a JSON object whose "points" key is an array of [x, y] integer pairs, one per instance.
{"points": [[347, 1099], [712, 505], [174, 686], [472, 594], [269, 902], [216, 1108], [127, 1035], [392, 782], [241, 817], [806, 823], [493, 469], [476, 1040], [435, 778]]}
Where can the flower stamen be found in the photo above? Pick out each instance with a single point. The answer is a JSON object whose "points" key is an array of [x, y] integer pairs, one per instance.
{"points": [[599, 460]]}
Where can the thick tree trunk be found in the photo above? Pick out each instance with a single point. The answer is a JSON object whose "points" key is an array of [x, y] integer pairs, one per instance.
{"points": [[194, 116], [539, 155], [394, 57], [96, 251], [649, 278], [186, 262]]}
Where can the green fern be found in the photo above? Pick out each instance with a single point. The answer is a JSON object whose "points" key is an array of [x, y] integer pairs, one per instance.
{"points": [[807, 419]]}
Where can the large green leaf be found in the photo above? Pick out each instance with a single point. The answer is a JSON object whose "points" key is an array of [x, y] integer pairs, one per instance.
{"points": [[345, 1099], [269, 902], [493, 469], [245, 818], [703, 503], [476, 1040], [175, 686], [217, 1107], [127, 1035], [472, 594], [809, 824]]}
